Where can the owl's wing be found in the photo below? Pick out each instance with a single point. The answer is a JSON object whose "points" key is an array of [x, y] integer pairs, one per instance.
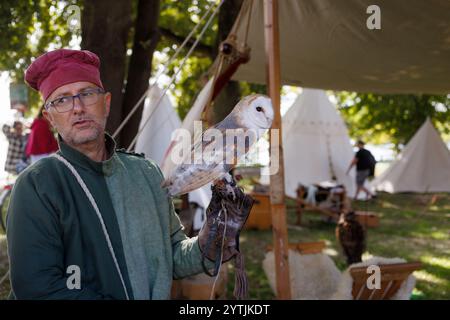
{"points": [[191, 177], [232, 149], [205, 144], [211, 157], [195, 169]]}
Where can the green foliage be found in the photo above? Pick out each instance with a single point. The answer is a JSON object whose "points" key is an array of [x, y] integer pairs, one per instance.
{"points": [[28, 29], [249, 88], [392, 118], [190, 83], [181, 18], [31, 27]]}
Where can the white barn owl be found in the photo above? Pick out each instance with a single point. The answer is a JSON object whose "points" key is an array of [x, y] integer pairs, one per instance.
{"points": [[222, 145]]}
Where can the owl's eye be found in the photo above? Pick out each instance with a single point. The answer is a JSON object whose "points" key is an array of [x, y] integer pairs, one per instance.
{"points": [[259, 109]]}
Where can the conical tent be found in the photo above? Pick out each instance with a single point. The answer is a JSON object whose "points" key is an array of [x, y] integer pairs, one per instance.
{"points": [[423, 166], [316, 143], [156, 135]]}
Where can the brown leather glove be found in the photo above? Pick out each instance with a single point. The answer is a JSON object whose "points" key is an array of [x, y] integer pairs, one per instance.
{"points": [[230, 208], [235, 209]]}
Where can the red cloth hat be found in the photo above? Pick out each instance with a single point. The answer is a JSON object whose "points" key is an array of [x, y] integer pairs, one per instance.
{"points": [[60, 67]]}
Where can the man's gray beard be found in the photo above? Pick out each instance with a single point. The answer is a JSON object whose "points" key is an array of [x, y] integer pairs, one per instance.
{"points": [[73, 140], [82, 140], [98, 129]]}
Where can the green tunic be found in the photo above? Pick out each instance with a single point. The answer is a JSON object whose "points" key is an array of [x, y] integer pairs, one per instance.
{"points": [[52, 225]]}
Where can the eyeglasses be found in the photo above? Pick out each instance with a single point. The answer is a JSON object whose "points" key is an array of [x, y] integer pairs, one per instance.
{"points": [[67, 103]]}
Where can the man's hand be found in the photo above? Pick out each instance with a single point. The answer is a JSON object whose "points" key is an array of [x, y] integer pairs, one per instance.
{"points": [[219, 238], [227, 213]]}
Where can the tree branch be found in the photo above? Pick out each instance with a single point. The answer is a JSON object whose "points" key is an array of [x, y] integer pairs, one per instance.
{"points": [[200, 49]]}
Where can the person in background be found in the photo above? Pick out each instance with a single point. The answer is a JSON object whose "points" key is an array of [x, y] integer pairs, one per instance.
{"points": [[41, 141], [364, 162], [16, 147]]}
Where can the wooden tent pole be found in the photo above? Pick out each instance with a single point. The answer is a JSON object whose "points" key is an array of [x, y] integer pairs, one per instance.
{"points": [[277, 196]]}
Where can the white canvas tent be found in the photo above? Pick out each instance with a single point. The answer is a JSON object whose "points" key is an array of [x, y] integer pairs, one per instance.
{"points": [[316, 143], [423, 166]]}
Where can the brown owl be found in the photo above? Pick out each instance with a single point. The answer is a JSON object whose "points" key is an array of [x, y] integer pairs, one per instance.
{"points": [[351, 236]]}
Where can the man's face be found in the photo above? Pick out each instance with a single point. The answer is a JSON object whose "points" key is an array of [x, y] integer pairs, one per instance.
{"points": [[84, 123]]}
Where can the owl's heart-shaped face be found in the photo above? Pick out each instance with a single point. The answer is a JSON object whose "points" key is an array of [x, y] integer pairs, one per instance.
{"points": [[257, 112]]}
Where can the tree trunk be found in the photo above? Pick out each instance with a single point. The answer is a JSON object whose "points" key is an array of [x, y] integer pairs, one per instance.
{"points": [[231, 93], [146, 37], [105, 29]]}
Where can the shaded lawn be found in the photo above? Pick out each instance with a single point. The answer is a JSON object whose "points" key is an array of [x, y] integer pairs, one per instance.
{"points": [[409, 228]]}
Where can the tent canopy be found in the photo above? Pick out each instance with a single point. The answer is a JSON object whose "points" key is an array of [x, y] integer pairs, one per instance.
{"points": [[326, 44], [423, 166], [316, 143]]}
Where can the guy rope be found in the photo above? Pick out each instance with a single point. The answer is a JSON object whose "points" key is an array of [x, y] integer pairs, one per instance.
{"points": [[232, 53]]}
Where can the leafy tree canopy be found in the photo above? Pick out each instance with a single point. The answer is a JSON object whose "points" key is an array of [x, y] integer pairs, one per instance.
{"points": [[28, 29], [177, 20], [380, 118]]}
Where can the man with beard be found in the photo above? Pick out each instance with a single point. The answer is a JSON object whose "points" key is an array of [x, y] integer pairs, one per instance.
{"points": [[91, 222]]}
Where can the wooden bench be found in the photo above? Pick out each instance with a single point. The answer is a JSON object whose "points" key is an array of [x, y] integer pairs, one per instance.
{"points": [[260, 216], [392, 277], [339, 198]]}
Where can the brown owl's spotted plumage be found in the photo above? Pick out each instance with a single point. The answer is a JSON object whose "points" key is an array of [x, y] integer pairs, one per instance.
{"points": [[351, 236]]}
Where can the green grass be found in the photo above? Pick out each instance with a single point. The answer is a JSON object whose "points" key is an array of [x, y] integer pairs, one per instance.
{"points": [[3, 212], [409, 228], [4, 288]]}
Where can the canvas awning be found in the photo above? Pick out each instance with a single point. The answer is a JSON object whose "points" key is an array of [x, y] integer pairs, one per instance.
{"points": [[326, 44]]}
